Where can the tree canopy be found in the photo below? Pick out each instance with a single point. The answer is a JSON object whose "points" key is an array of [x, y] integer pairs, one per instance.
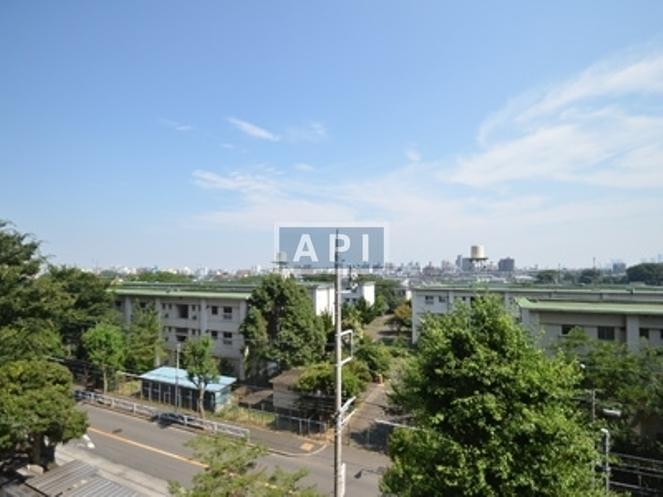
{"points": [[86, 303], [37, 410], [649, 273], [281, 325], [494, 417], [145, 347], [201, 366], [106, 348]]}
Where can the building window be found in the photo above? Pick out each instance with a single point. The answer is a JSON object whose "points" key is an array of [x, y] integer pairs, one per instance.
{"points": [[644, 333], [181, 338], [215, 334], [163, 306], [182, 311], [429, 299], [215, 310], [441, 299], [227, 313], [566, 328], [606, 333], [227, 338]]}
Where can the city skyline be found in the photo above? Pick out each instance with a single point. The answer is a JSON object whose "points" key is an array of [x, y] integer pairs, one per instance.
{"points": [[181, 141]]}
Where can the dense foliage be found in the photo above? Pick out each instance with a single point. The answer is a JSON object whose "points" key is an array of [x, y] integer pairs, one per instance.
{"points": [[86, 302], [37, 410], [494, 416], [648, 273], [281, 326], [629, 382], [145, 346], [201, 366], [320, 379], [105, 347], [231, 472]]}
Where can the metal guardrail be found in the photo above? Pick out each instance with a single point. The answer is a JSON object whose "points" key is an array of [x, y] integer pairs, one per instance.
{"points": [[154, 413]]}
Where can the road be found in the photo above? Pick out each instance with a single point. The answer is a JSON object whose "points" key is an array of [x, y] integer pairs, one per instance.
{"points": [[159, 451]]}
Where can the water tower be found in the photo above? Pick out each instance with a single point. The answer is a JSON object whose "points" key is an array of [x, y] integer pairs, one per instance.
{"points": [[478, 257]]}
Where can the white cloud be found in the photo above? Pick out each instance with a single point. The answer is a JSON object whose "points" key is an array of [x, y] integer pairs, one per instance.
{"points": [[313, 132], [248, 184], [510, 194], [413, 155], [304, 167], [177, 126], [598, 128], [253, 131]]}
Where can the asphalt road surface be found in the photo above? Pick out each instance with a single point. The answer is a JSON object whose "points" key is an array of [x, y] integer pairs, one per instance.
{"points": [[160, 452]]}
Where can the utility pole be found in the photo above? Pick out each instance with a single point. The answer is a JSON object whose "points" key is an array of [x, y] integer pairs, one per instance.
{"points": [[341, 408]]}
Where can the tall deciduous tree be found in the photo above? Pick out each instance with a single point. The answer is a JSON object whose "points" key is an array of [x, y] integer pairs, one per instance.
{"points": [[145, 347], [106, 349], [201, 367], [231, 472], [495, 417], [281, 325]]}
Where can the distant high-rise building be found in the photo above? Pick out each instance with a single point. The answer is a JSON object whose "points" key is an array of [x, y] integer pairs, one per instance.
{"points": [[506, 265], [618, 267]]}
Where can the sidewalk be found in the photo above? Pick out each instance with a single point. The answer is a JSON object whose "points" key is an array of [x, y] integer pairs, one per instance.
{"points": [[284, 443], [142, 483]]}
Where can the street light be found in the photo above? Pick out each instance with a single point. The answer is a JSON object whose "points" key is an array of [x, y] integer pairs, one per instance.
{"points": [[606, 455]]}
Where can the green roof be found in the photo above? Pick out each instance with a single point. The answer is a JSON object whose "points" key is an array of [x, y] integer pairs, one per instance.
{"points": [[591, 307], [175, 292], [483, 287]]}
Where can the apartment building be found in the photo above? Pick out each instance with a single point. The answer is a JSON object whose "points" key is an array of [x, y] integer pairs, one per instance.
{"points": [[440, 299], [217, 311], [186, 313], [626, 322]]}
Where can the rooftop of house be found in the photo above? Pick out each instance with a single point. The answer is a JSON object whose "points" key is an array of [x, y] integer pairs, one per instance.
{"points": [[623, 308], [174, 376]]}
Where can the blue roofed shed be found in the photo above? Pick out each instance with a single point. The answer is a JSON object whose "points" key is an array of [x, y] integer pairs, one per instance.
{"points": [[159, 385]]}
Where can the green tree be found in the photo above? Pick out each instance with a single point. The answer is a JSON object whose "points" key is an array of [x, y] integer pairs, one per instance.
{"points": [[649, 273], [145, 347], [87, 302], [387, 291], [106, 349], [375, 355], [320, 379], [37, 410], [547, 277], [201, 367], [231, 472], [27, 302], [281, 325], [624, 380], [35, 395], [352, 319], [402, 318], [494, 416]]}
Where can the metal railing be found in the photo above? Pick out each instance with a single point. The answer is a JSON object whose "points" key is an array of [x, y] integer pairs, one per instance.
{"points": [[154, 413]]}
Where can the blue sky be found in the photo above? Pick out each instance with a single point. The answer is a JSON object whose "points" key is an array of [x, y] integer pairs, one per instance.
{"points": [[178, 133]]}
